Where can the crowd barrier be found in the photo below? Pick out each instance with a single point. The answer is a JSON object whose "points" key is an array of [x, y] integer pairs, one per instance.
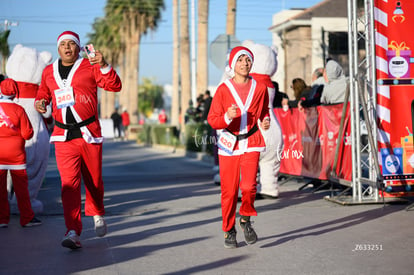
{"points": [[310, 139]]}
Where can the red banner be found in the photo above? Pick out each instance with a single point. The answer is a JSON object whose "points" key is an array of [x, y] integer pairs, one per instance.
{"points": [[394, 46], [310, 139], [329, 123], [292, 123]]}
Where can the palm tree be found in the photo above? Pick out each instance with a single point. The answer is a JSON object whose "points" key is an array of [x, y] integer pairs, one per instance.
{"points": [[184, 59], [202, 53], [135, 18], [231, 17], [150, 97], [109, 43], [175, 104], [4, 48]]}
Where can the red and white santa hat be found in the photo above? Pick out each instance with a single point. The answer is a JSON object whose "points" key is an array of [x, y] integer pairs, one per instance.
{"points": [[69, 35], [236, 52], [8, 88]]}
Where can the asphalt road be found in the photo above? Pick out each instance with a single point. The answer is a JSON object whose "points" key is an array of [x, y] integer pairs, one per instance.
{"points": [[163, 215]]}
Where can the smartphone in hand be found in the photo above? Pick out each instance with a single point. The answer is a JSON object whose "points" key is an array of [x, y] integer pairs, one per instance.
{"points": [[90, 50]]}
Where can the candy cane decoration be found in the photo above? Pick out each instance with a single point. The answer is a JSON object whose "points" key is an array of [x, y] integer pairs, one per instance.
{"points": [[383, 91]]}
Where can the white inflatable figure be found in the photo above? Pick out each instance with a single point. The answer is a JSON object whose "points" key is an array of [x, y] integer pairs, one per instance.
{"points": [[264, 66], [25, 66]]}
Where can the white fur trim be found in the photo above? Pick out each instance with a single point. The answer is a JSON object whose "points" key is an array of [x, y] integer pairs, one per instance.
{"points": [[237, 55], [239, 152], [243, 144], [106, 70], [227, 119], [68, 36], [12, 166]]}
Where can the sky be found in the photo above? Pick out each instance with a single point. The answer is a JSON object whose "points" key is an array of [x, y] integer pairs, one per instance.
{"points": [[37, 24]]}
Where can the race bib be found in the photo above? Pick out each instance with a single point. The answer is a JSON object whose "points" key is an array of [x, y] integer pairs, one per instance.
{"points": [[227, 142], [64, 97]]}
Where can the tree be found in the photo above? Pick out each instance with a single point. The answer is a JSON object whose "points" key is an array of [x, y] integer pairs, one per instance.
{"points": [[184, 59], [109, 43], [150, 97], [129, 20], [4, 48], [175, 104], [202, 52], [231, 17]]}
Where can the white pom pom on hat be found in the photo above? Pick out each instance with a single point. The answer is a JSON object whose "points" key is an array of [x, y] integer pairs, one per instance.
{"points": [[69, 35]]}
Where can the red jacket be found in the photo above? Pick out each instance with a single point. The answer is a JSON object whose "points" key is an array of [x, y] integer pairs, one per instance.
{"points": [[125, 118], [84, 78], [15, 128], [255, 108]]}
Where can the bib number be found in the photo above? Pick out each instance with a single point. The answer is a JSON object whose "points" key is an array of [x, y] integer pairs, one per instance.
{"points": [[64, 97], [227, 142]]}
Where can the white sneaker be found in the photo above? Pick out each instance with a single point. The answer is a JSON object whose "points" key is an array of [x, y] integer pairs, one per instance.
{"points": [[3, 225], [100, 226], [71, 240]]}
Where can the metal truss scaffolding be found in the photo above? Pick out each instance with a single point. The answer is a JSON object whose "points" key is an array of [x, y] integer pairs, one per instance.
{"points": [[366, 176]]}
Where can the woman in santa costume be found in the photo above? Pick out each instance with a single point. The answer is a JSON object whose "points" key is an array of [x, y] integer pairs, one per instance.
{"points": [[238, 109], [70, 84], [15, 129]]}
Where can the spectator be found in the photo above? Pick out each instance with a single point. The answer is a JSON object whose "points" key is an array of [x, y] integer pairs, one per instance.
{"points": [[200, 108], [314, 97], [212, 133], [162, 117], [317, 77], [117, 123], [15, 129], [336, 83], [77, 133], [125, 122], [180, 117], [279, 96], [206, 105], [190, 113], [300, 91], [300, 88]]}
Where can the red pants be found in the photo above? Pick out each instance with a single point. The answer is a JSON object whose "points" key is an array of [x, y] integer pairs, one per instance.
{"points": [[76, 158], [20, 186], [231, 169]]}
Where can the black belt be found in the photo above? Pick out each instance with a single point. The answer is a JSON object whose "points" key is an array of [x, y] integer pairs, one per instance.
{"points": [[72, 126], [243, 136]]}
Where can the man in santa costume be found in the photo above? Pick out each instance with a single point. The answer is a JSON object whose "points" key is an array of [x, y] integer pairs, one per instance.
{"points": [[70, 84], [15, 129], [238, 109]]}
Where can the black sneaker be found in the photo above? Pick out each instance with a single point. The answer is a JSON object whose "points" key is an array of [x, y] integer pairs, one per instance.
{"points": [[249, 233], [34, 222], [230, 238]]}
